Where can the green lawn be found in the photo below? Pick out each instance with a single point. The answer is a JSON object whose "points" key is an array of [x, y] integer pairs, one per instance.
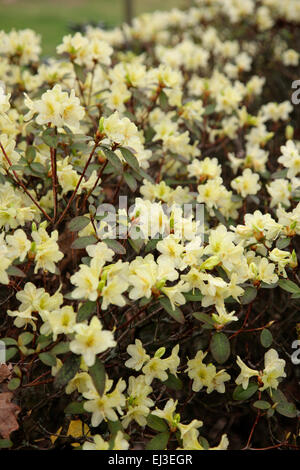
{"points": [[51, 18]]}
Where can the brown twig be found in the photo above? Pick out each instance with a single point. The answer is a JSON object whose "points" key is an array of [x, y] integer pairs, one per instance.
{"points": [[77, 186]]}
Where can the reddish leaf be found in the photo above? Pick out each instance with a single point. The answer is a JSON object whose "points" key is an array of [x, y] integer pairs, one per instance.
{"points": [[8, 415]]}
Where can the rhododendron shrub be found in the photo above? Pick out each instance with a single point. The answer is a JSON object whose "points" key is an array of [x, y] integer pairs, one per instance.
{"points": [[133, 329]]}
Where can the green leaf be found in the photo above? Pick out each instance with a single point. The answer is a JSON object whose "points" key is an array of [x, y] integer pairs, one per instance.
{"points": [[220, 347], [137, 244], [249, 295], [159, 442], [210, 109], [220, 217], [14, 383], [289, 286], [30, 154], [113, 159], [203, 442], [9, 341], [86, 310], [80, 72], [14, 271], [286, 409], [262, 405], [283, 243], [141, 174], [48, 359], [115, 246], [97, 372], [68, 371], [151, 245], [60, 348], [279, 174], [78, 223], [266, 338], [193, 297], [173, 382], [130, 158], [240, 394], [83, 242], [75, 408], [10, 353], [176, 314], [277, 396], [204, 317], [130, 181], [156, 423], [5, 444], [114, 427], [50, 138], [25, 338], [37, 168], [163, 100], [44, 341]]}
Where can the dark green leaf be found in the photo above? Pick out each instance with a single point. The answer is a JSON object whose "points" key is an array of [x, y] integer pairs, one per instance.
{"points": [[80, 72], [130, 181], [277, 396], [50, 138], [210, 109], [249, 295], [9, 341], [14, 384], [204, 317], [75, 408], [14, 271], [97, 372], [10, 353], [78, 223], [283, 243], [159, 442], [289, 286], [48, 359], [130, 158], [136, 244], [156, 423], [286, 409], [195, 296], [83, 242], [115, 246], [38, 168], [240, 394], [113, 159], [60, 348], [266, 338], [30, 154], [176, 314], [261, 405], [25, 338], [151, 245], [220, 347], [86, 310], [172, 382], [68, 371], [114, 427], [163, 100]]}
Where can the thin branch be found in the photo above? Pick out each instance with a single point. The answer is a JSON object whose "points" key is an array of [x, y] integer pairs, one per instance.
{"points": [[77, 186]]}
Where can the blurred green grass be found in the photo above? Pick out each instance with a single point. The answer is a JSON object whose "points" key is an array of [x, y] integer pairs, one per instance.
{"points": [[51, 18]]}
